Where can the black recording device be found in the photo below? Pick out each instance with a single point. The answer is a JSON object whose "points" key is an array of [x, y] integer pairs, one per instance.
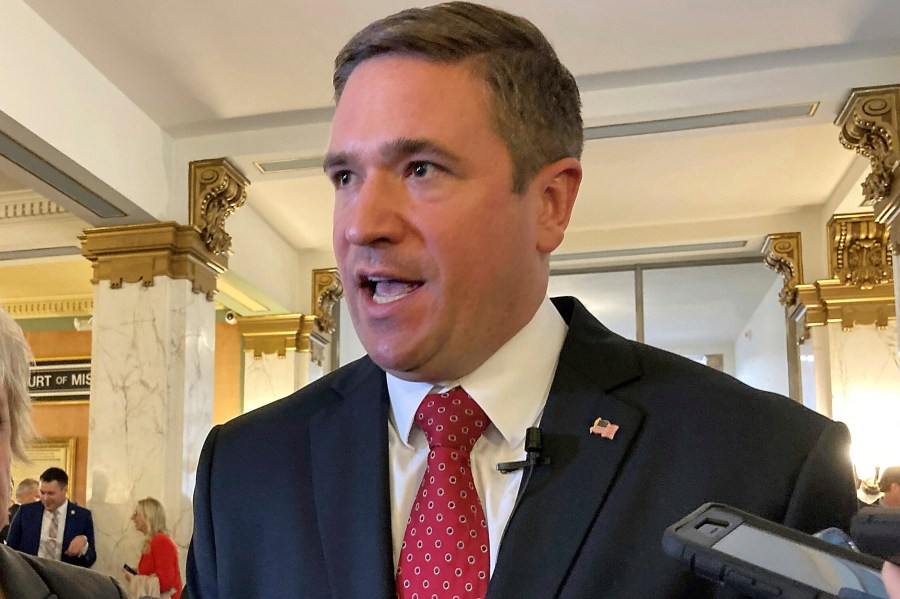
{"points": [[765, 559], [534, 445], [129, 569]]}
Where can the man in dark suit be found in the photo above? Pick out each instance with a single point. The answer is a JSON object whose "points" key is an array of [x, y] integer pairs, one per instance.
{"points": [[55, 528], [455, 159], [23, 576]]}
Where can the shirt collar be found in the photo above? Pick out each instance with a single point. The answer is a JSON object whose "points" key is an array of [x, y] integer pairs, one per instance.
{"points": [[511, 386], [61, 510]]}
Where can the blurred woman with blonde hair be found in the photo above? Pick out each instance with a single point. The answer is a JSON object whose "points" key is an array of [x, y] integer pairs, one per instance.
{"points": [[159, 556]]}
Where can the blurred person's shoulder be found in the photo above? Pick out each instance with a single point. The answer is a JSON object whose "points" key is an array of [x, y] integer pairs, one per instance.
{"points": [[26, 576]]}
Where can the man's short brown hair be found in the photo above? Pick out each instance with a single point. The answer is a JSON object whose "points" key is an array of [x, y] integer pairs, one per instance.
{"points": [[536, 109], [888, 477]]}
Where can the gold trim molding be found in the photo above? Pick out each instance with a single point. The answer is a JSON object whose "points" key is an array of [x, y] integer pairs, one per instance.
{"points": [[217, 189], [133, 253], [275, 334], [50, 307], [784, 254], [327, 290], [860, 290], [869, 126]]}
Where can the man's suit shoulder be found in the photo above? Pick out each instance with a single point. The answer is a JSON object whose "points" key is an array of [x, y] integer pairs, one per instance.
{"points": [[712, 388], [654, 379], [30, 509]]}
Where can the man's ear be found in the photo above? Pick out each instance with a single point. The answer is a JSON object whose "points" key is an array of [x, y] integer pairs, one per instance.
{"points": [[556, 185]]}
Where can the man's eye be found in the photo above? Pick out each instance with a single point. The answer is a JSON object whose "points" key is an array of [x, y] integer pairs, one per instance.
{"points": [[421, 169], [342, 178]]}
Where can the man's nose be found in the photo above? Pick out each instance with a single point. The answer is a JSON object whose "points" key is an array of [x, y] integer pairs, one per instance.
{"points": [[374, 216]]}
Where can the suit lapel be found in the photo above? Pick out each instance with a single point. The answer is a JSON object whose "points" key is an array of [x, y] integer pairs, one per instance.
{"points": [[351, 487], [561, 500], [32, 542], [69, 531]]}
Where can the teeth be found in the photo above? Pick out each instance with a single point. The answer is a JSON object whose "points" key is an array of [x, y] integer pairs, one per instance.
{"points": [[380, 299], [385, 291]]}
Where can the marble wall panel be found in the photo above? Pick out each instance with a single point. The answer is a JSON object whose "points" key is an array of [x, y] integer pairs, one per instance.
{"points": [[865, 389], [151, 409]]}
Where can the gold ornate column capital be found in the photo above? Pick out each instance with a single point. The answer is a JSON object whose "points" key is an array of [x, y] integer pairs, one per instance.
{"points": [[133, 253], [860, 289], [217, 189], [275, 334], [859, 251], [327, 290], [869, 125], [784, 254]]}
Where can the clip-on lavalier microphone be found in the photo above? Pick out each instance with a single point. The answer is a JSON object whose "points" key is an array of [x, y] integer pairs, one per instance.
{"points": [[533, 448]]}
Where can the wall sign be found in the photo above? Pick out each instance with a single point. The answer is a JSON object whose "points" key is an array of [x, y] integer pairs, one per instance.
{"points": [[61, 380]]}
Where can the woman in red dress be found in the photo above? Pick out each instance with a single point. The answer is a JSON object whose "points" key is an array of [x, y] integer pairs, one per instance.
{"points": [[160, 555]]}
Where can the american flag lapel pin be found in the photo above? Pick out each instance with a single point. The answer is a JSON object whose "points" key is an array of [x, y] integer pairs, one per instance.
{"points": [[604, 428]]}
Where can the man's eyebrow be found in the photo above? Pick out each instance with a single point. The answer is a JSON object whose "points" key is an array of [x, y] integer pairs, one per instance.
{"points": [[391, 151], [405, 146], [333, 159]]}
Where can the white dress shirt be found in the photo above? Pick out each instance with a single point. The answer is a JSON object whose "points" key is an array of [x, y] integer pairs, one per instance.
{"points": [[512, 388], [61, 529]]}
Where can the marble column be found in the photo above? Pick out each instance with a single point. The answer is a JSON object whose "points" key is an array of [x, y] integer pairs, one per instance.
{"points": [[276, 357], [151, 408], [269, 377], [865, 387], [153, 344], [895, 248], [849, 359]]}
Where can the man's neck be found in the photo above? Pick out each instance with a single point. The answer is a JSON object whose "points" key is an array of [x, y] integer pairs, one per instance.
{"points": [[57, 508]]}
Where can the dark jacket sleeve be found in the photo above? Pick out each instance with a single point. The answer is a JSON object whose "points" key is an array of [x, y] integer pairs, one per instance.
{"points": [[823, 495], [14, 538], [201, 560], [86, 529]]}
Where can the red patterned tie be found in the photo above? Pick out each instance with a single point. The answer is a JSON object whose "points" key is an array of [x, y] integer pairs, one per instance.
{"points": [[445, 551]]}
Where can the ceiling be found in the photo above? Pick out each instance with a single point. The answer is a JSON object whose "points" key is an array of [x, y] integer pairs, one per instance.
{"points": [[227, 67]]}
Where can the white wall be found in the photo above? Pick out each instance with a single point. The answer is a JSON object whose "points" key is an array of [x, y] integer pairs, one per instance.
{"points": [[760, 351]]}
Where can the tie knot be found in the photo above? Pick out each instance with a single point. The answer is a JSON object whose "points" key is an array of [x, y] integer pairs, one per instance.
{"points": [[451, 419]]}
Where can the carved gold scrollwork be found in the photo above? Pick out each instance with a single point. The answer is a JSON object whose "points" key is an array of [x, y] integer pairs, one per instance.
{"points": [[327, 291], [783, 254], [869, 126], [860, 290], [217, 190], [860, 254]]}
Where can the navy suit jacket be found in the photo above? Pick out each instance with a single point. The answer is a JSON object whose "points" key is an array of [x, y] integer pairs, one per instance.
{"points": [[25, 531], [589, 524]]}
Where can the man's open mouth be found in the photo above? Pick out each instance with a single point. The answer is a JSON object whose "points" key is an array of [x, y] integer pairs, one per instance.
{"points": [[385, 290]]}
